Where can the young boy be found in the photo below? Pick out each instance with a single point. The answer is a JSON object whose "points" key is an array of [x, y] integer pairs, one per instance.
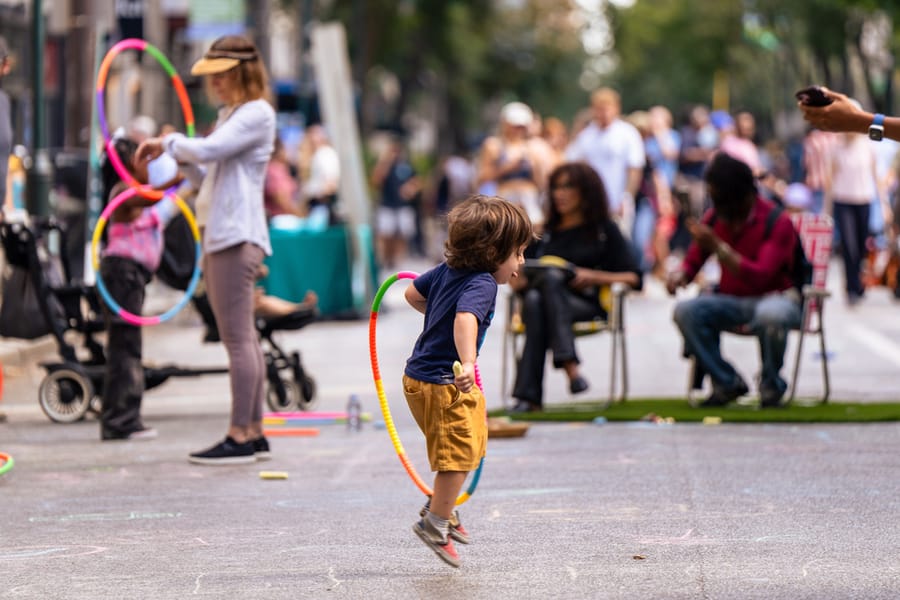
{"points": [[486, 239]]}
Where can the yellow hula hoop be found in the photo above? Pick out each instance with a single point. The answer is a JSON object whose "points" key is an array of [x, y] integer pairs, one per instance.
{"points": [[386, 409]]}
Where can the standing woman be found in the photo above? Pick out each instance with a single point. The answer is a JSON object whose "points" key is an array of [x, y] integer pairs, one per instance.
{"points": [[850, 189], [579, 230], [232, 161], [511, 166]]}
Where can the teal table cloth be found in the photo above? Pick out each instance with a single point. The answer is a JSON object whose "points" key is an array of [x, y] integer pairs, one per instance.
{"points": [[305, 260]]}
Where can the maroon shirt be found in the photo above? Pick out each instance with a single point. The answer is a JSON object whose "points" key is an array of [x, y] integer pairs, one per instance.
{"points": [[766, 262]]}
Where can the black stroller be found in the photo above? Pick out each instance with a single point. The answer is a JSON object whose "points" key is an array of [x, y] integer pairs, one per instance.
{"points": [[40, 298]]}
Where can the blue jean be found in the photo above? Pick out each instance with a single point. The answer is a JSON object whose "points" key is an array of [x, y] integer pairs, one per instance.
{"points": [[642, 233], [770, 317]]}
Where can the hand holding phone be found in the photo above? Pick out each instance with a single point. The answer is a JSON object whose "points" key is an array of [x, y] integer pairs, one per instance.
{"points": [[813, 95]]}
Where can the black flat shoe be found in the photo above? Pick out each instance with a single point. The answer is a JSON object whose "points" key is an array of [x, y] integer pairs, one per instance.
{"points": [[523, 406], [578, 385]]}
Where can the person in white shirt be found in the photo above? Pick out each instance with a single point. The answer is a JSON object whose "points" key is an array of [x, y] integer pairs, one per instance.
{"points": [[615, 150], [320, 187], [852, 187], [236, 237]]}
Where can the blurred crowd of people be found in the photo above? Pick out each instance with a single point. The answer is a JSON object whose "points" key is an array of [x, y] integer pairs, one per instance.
{"points": [[652, 169]]}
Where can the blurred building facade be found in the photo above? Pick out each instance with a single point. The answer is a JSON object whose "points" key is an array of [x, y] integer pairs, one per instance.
{"points": [[78, 33]]}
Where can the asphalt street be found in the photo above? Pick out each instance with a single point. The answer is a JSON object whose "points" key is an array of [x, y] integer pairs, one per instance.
{"points": [[569, 511]]}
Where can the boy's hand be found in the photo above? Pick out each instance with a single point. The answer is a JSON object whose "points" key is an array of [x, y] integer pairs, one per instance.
{"points": [[465, 376]]}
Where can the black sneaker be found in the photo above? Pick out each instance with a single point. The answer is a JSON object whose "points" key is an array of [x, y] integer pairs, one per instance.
{"points": [[771, 397], [146, 433], [226, 452], [261, 448], [721, 395]]}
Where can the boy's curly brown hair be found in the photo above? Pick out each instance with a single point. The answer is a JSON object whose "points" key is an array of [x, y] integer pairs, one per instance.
{"points": [[483, 231]]}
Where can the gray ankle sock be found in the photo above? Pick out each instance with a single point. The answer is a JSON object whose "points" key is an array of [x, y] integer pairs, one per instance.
{"points": [[441, 525]]}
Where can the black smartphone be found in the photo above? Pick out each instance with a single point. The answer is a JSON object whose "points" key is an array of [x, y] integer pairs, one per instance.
{"points": [[813, 96]]}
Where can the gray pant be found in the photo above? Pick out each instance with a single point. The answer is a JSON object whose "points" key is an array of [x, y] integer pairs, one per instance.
{"points": [[230, 276]]}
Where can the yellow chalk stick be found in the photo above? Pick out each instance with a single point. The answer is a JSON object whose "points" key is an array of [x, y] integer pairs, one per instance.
{"points": [[712, 420], [457, 368], [273, 475]]}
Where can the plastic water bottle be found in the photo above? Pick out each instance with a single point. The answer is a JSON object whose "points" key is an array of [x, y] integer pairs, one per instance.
{"points": [[354, 413]]}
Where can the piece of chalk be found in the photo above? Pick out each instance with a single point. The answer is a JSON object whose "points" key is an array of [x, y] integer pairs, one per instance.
{"points": [[291, 432], [273, 475], [712, 420], [457, 368], [599, 420]]}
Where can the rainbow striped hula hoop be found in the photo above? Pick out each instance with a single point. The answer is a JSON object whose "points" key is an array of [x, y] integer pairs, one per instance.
{"points": [[137, 44], [386, 409], [8, 463], [114, 306]]}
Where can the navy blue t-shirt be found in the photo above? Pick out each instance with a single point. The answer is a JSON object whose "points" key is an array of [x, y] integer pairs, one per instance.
{"points": [[448, 292]]}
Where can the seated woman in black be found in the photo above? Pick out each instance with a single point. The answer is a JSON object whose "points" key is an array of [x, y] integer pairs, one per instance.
{"points": [[579, 230]]}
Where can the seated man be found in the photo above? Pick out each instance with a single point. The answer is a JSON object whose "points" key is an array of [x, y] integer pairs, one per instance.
{"points": [[756, 288]]}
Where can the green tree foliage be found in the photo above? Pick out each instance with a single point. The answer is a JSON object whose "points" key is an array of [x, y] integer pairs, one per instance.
{"points": [[466, 57], [670, 50]]}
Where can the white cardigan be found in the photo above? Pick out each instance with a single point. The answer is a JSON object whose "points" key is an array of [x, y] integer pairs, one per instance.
{"points": [[235, 155]]}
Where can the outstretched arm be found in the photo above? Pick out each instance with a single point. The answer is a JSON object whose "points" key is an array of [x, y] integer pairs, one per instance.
{"points": [[843, 115]]}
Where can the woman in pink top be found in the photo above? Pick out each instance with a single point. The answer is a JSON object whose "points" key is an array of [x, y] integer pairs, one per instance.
{"points": [[280, 192], [737, 142]]}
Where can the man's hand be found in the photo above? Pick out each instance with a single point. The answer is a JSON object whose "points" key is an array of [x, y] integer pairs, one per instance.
{"points": [[840, 115], [703, 235], [675, 280]]}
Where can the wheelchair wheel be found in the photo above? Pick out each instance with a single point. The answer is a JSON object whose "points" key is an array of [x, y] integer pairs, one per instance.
{"points": [[307, 393], [283, 396], [65, 395]]}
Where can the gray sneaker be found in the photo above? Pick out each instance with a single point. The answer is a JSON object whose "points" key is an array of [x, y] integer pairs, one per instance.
{"points": [[437, 541], [457, 531]]}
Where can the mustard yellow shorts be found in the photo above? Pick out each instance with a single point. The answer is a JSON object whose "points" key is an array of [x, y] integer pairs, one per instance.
{"points": [[453, 423]]}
